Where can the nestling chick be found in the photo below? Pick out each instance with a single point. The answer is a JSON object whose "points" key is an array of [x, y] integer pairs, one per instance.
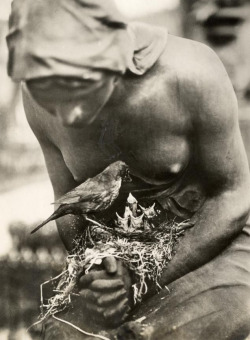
{"points": [[94, 195]]}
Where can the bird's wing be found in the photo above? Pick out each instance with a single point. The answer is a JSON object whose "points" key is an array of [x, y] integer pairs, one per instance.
{"points": [[70, 197], [82, 191], [102, 194], [67, 200], [91, 196]]}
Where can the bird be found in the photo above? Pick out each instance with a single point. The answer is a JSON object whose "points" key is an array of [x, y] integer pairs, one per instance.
{"points": [[94, 195]]}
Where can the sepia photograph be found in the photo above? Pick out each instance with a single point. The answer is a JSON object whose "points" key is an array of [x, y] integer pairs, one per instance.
{"points": [[124, 167]]}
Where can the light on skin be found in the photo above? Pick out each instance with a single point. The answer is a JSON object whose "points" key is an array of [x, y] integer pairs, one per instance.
{"points": [[75, 101]]}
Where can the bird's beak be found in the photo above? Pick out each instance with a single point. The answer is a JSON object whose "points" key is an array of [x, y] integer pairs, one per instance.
{"points": [[127, 177]]}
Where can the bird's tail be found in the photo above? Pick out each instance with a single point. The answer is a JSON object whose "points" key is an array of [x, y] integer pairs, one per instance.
{"points": [[58, 213]]}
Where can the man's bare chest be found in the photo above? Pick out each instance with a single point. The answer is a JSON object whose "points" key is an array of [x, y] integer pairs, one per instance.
{"points": [[154, 151]]}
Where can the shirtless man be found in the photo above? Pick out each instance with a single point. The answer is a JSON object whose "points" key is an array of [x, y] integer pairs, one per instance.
{"points": [[169, 111]]}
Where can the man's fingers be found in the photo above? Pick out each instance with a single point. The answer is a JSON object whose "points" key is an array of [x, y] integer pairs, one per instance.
{"points": [[106, 308], [108, 299], [103, 299], [110, 264], [112, 315], [106, 285], [89, 296], [111, 267], [108, 311], [118, 312], [86, 279], [96, 310]]}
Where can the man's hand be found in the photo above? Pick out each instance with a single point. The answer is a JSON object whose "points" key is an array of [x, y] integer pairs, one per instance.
{"points": [[107, 293]]}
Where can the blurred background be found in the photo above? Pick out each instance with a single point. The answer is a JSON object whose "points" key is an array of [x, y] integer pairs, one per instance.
{"points": [[25, 191]]}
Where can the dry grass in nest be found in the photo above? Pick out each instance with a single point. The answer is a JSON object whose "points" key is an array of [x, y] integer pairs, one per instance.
{"points": [[145, 250]]}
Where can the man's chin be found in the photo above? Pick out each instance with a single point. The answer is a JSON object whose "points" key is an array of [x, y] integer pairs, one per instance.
{"points": [[82, 121]]}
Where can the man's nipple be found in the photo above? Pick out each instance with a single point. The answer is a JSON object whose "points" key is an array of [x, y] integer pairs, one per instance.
{"points": [[175, 168]]}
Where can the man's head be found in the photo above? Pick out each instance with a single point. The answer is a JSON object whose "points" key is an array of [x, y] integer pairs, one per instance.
{"points": [[64, 37], [75, 101], [70, 53]]}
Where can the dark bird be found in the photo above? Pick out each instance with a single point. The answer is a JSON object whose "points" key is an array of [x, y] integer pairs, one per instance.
{"points": [[94, 195]]}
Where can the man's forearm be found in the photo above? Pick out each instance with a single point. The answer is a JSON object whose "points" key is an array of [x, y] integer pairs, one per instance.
{"points": [[70, 227], [219, 221]]}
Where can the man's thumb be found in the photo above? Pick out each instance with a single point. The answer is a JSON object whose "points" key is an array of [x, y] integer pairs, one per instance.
{"points": [[110, 264]]}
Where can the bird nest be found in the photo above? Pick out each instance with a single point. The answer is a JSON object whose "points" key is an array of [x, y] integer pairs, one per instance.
{"points": [[143, 239]]}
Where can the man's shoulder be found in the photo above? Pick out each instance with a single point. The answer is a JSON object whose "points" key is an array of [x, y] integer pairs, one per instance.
{"points": [[199, 75], [192, 62]]}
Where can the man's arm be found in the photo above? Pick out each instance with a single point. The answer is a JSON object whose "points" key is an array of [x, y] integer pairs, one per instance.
{"points": [[106, 292], [221, 164], [69, 227]]}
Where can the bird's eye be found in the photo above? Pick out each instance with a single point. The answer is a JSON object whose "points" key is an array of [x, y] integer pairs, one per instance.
{"points": [[126, 177]]}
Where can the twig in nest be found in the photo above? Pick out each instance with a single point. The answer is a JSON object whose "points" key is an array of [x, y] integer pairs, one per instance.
{"points": [[46, 282]]}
